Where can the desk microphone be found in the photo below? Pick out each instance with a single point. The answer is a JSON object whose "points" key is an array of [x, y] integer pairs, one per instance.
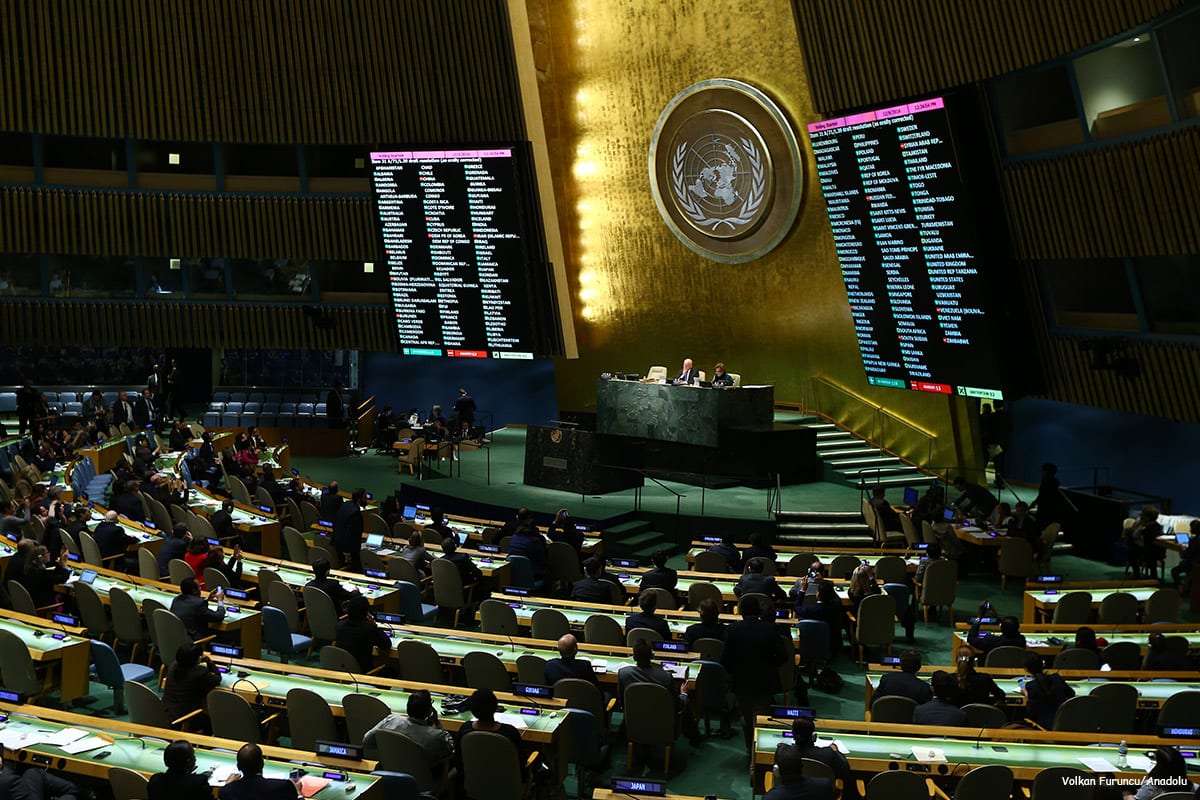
{"points": [[979, 738], [357, 685], [114, 739], [512, 643]]}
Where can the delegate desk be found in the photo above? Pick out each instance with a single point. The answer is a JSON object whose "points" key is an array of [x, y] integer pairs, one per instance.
{"points": [[1041, 601], [146, 536], [243, 619], [1151, 693], [453, 645], [873, 747], [1049, 640], [27, 735], [980, 537], [381, 596], [473, 528], [247, 519], [681, 414], [578, 612], [539, 721], [631, 578], [107, 454], [826, 555], [50, 644]]}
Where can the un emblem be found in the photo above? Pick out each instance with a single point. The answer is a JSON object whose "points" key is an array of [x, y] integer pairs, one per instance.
{"points": [[724, 167]]}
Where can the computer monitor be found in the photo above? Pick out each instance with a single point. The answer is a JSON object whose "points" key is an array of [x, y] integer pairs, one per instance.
{"points": [[374, 540], [948, 515], [910, 496], [410, 512], [1181, 538]]}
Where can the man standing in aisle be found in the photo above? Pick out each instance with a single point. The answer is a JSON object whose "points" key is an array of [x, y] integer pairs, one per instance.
{"points": [[348, 529]]}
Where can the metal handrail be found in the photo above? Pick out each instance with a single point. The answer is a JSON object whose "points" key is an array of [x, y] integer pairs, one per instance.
{"points": [[878, 416]]}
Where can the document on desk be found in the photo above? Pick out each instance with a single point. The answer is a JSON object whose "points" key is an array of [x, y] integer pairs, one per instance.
{"points": [[85, 744], [1098, 764], [516, 720], [836, 744], [929, 755], [15, 738], [220, 775], [63, 737]]}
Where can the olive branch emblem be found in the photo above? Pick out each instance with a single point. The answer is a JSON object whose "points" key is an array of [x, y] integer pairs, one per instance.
{"points": [[750, 204]]}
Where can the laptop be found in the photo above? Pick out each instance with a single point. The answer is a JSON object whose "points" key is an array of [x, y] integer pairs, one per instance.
{"points": [[910, 496], [410, 512], [87, 576], [375, 543], [1182, 538]]}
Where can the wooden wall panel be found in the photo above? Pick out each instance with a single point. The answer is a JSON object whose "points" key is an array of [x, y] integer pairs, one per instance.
{"points": [[871, 51], [270, 71], [1138, 198]]}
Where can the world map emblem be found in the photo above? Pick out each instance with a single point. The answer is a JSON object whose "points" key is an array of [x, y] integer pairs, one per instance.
{"points": [[724, 167]]}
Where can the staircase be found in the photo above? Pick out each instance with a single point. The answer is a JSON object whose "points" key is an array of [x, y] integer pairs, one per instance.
{"points": [[850, 461], [822, 529], [636, 539]]}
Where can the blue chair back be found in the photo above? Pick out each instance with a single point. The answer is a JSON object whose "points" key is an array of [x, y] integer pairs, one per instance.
{"points": [[712, 686], [410, 602], [814, 640], [398, 785], [587, 748], [277, 635], [108, 666], [901, 593], [522, 571]]}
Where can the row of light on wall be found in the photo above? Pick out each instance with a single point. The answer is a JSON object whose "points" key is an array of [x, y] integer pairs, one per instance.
{"points": [[586, 171]]}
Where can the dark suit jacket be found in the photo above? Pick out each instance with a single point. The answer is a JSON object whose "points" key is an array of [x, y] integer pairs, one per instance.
{"points": [[757, 583], [702, 631], [467, 571], [753, 653], [222, 524], [360, 638], [731, 555], [567, 534], [651, 621], [532, 546], [112, 539], [329, 505], [129, 505], [141, 412], [195, 613], [348, 529], [558, 668], [660, 578], [256, 787], [182, 786], [592, 590], [904, 684], [690, 376], [806, 789], [120, 413], [171, 548]]}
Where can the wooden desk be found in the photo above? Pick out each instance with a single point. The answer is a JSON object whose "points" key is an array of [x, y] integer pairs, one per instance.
{"points": [[247, 519], [786, 552], [106, 456], [1041, 600], [72, 653], [1037, 636]]}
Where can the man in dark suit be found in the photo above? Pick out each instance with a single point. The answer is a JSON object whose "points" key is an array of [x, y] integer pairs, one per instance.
{"points": [[173, 546], [145, 410], [35, 783], [529, 543], [662, 576], [129, 502], [791, 782], [593, 588], [251, 785], [358, 634], [562, 530], [753, 653], [348, 529], [729, 551], [905, 683], [755, 582], [111, 538], [467, 571], [329, 586], [804, 743], [646, 618], [686, 373], [331, 501], [222, 521], [759, 549], [122, 410], [567, 665], [335, 406], [191, 607]]}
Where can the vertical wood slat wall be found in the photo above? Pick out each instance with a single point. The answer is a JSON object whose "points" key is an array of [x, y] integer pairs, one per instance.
{"points": [[871, 51], [92, 222], [1139, 198], [31, 322], [262, 71]]}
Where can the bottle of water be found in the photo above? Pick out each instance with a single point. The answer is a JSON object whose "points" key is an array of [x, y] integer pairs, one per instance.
{"points": [[1122, 755]]}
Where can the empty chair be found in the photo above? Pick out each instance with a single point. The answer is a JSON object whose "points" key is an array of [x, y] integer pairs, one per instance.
{"points": [[486, 671], [1007, 656], [1080, 714], [1118, 608], [587, 749], [563, 563], [642, 633], [127, 620], [92, 612], [113, 674], [1073, 608], [713, 696], [603, 629], [411, 606], [1122, 656], [335, 658], [233, 717], [419, 662], [1162, 606], [891, 569], [843, 565], [279, 595], [22, 600], [549, 623], [893, 708], [179, 571], [1061, 783], [278, 636], [493, 768], [798, 565], [371, 560], [1016, 559], [815, 645], [448, 588], [876, 624], [498, 618], [322, 616], [709, 649], [310, 718], [982, 715], [1120, 706], [363, 712], [531, 669], [712, 562], [940, 586], [990, 782], [401, 569], [650, 719], [1077, 658], [147, 565], [700, 591], [1181, 710], [127, 784], [897, 785]]}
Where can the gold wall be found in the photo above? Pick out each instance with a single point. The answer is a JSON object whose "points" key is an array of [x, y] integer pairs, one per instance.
{"points": [[606, 70]]}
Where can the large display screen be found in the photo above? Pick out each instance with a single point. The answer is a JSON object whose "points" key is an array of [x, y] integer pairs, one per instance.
{"points": [[458, 252], [905, 232]]}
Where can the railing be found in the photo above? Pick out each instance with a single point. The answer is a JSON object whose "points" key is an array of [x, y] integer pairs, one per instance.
{"points": [[869, 420]]}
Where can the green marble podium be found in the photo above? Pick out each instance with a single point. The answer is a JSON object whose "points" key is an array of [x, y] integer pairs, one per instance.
{"points": [[681, 414]]}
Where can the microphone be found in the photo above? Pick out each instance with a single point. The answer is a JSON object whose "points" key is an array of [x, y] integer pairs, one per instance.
{"points": [[512, 644], [357, 685], [113, 739], [979, 738]]}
